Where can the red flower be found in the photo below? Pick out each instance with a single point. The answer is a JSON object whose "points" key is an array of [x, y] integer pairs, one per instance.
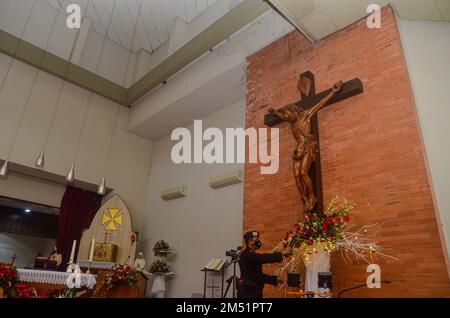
{"points": [[287, 236], [311, 216], [329, 221], [324, 229], [133, 238], [338, 220], [347, 218], [310, 242]]}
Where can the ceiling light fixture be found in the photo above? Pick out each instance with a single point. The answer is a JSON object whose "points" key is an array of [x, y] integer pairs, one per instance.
{"points": [[40, 160], [4, 170]]}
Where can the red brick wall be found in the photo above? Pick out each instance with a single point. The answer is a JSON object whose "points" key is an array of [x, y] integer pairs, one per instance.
{"points": [[370, 148]]}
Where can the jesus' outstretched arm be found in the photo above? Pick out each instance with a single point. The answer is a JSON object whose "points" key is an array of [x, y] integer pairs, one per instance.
{"points": [[336, 88]]}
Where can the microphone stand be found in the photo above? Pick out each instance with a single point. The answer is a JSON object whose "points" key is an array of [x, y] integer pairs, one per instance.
{"points": [[359, 286]]}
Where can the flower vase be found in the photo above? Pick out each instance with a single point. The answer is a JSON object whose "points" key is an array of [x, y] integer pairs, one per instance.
{"points": [[162, 258], [317, 262], [162, 255]]}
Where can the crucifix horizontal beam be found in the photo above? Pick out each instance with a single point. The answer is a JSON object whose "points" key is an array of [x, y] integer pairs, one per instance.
{"points": [[349, 89]]}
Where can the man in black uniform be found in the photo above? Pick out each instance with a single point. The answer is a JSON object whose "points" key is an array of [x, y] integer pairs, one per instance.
{"points": [[250, 262]]}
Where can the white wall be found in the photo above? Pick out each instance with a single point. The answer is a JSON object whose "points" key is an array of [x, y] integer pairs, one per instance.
{"points": [[26, 248], [205, 223], [427, 50], [127, 166]]}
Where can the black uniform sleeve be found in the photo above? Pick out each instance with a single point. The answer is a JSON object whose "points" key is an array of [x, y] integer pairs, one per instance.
{"points": [[271, 280], [267, 258]]}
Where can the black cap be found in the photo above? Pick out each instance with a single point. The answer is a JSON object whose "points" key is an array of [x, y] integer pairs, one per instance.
{"points": [[249, 235]]}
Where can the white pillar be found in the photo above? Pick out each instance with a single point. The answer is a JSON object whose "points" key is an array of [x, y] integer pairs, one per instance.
{"points": [[316, 263]]}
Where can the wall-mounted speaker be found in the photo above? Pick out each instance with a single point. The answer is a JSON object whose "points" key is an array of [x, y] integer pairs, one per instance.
{"points": [[174, 193], [226, 179]]}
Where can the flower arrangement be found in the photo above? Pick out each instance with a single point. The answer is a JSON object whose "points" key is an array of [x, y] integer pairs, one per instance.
{"points": [[122, 274], [10, 285], [330, 232], [8, 279], [161, 248], [320, 228], [159, 267], [133, 238], [22, 290]]}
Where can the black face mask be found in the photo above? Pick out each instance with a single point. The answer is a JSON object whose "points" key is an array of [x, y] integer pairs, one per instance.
{"points": [[257, 244]]}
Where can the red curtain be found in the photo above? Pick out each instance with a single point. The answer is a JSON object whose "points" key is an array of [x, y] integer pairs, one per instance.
{"points": [[78, 208]]}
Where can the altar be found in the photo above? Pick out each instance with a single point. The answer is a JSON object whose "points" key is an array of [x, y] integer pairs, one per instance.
{"points": [[48, 282]]}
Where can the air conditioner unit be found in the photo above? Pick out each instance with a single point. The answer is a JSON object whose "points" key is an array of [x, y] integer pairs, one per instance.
{"points": [[226, 180], [174, 193]]}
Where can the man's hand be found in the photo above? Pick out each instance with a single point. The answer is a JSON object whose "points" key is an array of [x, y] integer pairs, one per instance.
{"points": [[279, 247], [338, 86], [287, 252]]}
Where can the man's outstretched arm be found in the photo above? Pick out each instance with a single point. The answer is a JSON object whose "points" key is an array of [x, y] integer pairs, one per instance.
{"points": [[267, 258]]}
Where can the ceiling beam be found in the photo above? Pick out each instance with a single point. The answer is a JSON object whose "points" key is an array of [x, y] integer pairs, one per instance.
{"points": [[293, 11], [57, 66], [50, 176], [241, 15]]}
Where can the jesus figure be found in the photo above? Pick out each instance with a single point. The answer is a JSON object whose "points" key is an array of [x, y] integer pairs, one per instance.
{"points": [[307, 146]]}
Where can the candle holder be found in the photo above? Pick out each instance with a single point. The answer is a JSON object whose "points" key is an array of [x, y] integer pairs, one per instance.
{"points": [[89, 267], [69, 268]]}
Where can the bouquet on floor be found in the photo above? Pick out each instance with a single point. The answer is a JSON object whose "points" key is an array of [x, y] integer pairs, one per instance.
{"points": [[159, 267], [161, 248]]}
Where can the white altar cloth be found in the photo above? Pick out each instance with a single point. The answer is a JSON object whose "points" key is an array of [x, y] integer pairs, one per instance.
{"points": [[54, 278]]}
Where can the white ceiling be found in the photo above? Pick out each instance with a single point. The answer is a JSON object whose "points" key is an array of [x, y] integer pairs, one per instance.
{"points": [[153, 18], [319, 18]]}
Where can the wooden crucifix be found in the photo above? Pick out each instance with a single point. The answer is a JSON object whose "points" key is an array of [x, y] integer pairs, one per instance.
{"points": [[302, 116]]}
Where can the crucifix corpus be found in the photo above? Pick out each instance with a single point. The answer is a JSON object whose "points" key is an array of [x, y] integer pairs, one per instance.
{"points": [[302, 117]]}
